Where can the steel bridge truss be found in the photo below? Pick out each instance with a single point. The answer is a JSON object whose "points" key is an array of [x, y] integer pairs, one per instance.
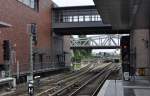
{"points": [[97, 42]]}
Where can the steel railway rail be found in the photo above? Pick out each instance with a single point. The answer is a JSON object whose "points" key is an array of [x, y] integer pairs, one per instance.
{"points": [[64, 76], [92, 86], [67, 82], [63, 84], [81, 79], [52, 82], [87, 87]]}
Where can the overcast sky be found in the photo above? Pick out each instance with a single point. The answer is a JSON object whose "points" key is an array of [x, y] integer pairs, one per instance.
{"points": [[73, 2]]}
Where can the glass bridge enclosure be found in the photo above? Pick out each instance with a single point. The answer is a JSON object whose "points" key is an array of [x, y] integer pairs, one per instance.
{"points": [[78, 20], [76, 14]]}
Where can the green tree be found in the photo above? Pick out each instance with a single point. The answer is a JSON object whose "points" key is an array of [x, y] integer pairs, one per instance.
{"points": [[80, 54]]}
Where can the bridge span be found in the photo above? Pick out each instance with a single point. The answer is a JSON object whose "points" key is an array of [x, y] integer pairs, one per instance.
{"points": [[96, 42]]}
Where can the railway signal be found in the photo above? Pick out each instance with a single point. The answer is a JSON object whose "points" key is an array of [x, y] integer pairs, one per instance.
{"points": [[7, 49], [125, 52], [7, 56], [34, 33]]}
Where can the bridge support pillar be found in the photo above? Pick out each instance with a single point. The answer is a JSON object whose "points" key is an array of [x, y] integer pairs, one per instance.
{"points": [[140, 50]]}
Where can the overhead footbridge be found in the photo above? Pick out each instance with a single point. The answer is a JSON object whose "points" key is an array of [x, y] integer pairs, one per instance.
{"points": [[80, 20]]}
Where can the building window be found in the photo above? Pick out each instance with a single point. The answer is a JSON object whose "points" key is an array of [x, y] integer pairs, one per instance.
{"points": [[75, 19], [87, 18], [31, 3]]}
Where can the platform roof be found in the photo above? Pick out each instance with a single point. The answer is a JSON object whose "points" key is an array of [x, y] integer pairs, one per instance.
{"points": [[124, 14]]}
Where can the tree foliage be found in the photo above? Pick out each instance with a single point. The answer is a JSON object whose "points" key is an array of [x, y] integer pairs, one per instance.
{"points": [[80, 54]]}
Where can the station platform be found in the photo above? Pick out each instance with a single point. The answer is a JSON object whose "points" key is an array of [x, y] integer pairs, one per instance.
{"points": [[125, 88]]}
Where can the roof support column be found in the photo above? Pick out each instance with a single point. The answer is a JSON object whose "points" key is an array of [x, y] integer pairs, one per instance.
{"points": [[140, 37]]}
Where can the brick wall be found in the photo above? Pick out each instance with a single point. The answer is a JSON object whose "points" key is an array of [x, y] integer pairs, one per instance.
{"points": [[19, 15]]}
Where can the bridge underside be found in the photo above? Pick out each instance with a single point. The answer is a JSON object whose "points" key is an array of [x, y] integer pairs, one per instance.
{"points": [[88, 31], [96, 47]]}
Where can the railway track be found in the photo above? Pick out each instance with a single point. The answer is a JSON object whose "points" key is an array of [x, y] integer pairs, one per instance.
{"points": [[53, 82], [67, 81], [72, 87], [71, 84], [93, 85]]}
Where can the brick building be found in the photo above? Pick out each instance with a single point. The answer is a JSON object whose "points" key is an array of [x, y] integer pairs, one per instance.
{"points": [[20, 14]]}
